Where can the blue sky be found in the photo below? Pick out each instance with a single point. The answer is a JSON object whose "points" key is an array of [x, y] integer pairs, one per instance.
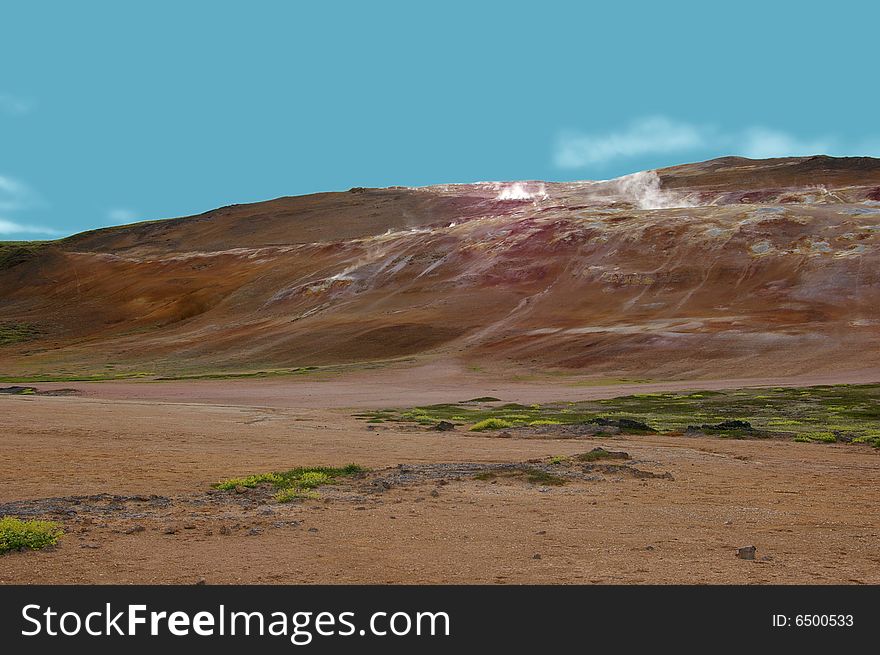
{"points": [[112, 112]]}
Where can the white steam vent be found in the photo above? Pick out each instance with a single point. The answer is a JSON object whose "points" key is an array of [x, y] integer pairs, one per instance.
{"points": [[522, 191], [643, 190]]}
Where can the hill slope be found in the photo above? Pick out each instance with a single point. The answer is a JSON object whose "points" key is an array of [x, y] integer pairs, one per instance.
{"points": [[732, 267]]}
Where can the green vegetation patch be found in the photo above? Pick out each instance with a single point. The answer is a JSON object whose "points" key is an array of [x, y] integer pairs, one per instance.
{"points": [[13, 253], [532, 475], [825, 413], [598, 454], [16, 534], [16, 333], [294, 484]]}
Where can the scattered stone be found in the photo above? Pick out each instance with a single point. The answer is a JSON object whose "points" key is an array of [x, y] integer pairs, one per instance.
{"points": [[541, 532], [253, 532], [728, 522], [189, 526], [444, 426], [90, 544], [746, 552], [240, 490], [536, 556], [135, 528], [434, 493], [170, 530], [201, 581], [313, 530]]}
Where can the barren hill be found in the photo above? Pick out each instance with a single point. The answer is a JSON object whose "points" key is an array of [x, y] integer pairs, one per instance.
{"points": [[731, 267]]}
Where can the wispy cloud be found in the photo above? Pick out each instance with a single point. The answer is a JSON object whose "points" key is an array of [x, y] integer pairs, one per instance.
{"points": [[659, 135], [14, 105], [15, 197], [11, 227], [647, 136], [121, 216]]}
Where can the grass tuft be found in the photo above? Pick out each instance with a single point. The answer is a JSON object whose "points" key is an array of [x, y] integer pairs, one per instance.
{"points": [[491, 424]]}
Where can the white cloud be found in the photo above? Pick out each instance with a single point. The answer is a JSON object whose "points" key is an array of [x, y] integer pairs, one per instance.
{"points": [[120, 215], [654, 135], [761, 143], [10, 227], [16, 196], [660, 136], [14, 105]]}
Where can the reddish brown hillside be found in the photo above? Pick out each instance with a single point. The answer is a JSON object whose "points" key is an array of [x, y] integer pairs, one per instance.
{"points": [[726, 268]]}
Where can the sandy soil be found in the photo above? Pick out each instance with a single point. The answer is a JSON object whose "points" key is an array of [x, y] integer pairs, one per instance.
{"points": [[808, 508]]}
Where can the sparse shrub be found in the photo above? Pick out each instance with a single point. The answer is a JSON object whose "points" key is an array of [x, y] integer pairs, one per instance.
{"points": [[491, 424], [15, 534], [558, 459], [544, 421]]}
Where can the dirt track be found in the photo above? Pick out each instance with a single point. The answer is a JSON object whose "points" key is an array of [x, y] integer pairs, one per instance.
{"points": [[809, 508]]}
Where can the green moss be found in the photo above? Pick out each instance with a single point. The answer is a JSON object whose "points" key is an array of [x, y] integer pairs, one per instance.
{"points": [[490, 424], [16, 534], [293, 493], [852, 410], [294, 483]]}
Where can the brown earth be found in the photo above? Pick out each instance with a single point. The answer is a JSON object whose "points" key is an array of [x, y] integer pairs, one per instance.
{"points": [[808, 508]]}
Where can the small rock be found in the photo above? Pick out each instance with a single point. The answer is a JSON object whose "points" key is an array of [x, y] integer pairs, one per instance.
{"points": [[728, 523], [189, 526], [134, 528], [541, 532], [169, 530], [444, 426], [90, 544], [201, 581], [536, 556], [253, 532], [313, 529], [746, 552], [240, 490], [434, 493], [442, 483], [224, 529]]}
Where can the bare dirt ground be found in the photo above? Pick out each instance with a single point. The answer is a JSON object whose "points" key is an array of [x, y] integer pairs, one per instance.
{"points": [[128, 467]]}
